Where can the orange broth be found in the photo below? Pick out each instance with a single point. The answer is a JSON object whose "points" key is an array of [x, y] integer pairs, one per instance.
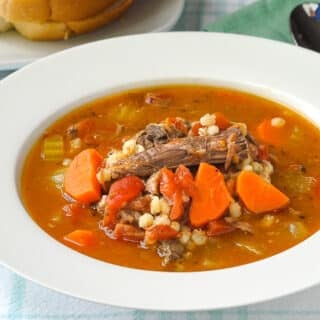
{"points": [[44, 201]]}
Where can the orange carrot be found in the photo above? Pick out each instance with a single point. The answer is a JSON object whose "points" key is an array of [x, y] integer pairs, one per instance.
{"points": [[160, 232], [121, 192], [258, 195], [273, 135], [213, 197], [218, 227], [81, 238], [128, 232], [80, 180], [221, 121]]}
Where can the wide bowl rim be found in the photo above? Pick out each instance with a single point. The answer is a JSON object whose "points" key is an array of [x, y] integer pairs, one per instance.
{"points": [[105, 66]]}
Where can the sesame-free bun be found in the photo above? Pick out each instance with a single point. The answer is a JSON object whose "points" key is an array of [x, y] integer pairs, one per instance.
{"points": [[60, 19]]}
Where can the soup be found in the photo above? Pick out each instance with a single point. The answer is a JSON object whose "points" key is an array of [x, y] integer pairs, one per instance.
{"points": [[176, 178]]}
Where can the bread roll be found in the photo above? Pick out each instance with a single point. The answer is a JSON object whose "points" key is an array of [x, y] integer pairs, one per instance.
{"points": [[25, 10], [59, 19]]}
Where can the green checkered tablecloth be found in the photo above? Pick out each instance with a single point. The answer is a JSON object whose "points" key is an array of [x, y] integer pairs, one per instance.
{"points": [[22, 299]]}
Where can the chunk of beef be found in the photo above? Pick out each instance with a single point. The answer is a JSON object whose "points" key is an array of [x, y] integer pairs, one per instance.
{"points": [[141, 204], [188, 151], [155, 134], [129, 216], [170, 250]]}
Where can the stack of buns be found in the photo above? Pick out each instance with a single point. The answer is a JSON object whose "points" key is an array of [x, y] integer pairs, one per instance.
{"points": [[58, 19]]}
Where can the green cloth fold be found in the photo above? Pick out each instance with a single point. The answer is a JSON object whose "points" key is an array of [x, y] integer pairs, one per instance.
{"points": [[264, 18]]}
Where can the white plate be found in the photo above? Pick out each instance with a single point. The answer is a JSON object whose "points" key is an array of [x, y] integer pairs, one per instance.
{"points": [[144, 16], [39, 93]]}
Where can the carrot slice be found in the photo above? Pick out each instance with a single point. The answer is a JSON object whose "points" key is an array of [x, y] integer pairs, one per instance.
{"points": [[80, 180], [222, 121], [81, 238], [273, 135], [258, 195], [213, 197], [121, 192]]}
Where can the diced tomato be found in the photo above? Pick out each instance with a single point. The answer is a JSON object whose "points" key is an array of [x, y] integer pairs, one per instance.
{"points": [[195, 128], [172, 186], [121, 192], [218, 227], [221, 121], [178, 123], [124, 190], [185, 180], [263, 152], [160, 232], [177, 209], [168, 185]]}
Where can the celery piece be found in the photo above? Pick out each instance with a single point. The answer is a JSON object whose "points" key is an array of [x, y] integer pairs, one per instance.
{"points": [[53, 148], [126, 112]]}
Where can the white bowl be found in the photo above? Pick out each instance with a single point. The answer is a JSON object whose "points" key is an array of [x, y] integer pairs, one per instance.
{"points": [[41, 92]]}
